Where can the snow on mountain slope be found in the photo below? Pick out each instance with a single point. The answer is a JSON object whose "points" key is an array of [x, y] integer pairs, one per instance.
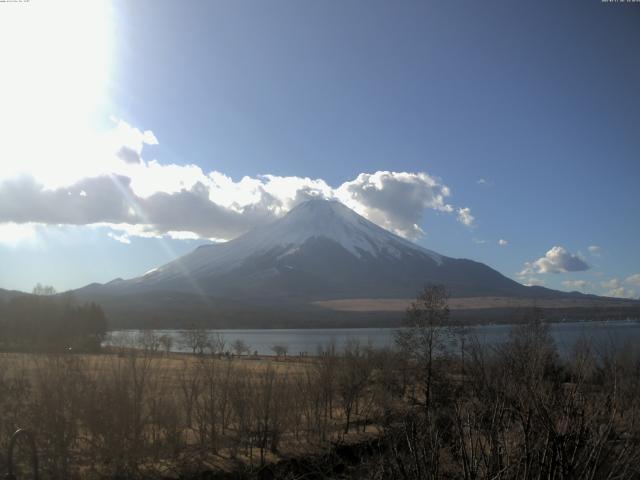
{"points": [[310, 220], [320, 250], [333, 220]]}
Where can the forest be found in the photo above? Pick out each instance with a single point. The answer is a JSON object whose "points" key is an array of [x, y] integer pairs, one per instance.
{"points": [[47, 322]]}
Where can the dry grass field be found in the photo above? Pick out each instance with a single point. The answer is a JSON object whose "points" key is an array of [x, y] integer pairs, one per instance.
{"points": [[466, 303], [139, 413], [474, 412]]}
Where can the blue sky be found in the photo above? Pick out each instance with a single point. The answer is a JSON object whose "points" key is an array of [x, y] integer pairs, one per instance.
{"points": [[528, 115]]}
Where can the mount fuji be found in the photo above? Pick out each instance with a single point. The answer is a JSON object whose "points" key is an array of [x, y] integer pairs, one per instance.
{"points": [[320, 251]]}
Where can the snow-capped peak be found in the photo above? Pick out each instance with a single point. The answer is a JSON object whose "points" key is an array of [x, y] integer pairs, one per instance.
{"points": [[320, 219]]}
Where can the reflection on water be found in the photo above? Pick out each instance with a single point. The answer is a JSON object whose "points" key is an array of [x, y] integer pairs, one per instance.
{"points": [[602, 334]]}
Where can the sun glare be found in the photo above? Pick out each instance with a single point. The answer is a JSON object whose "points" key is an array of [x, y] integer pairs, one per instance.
{"points": [[13, 234], [56, 60]]}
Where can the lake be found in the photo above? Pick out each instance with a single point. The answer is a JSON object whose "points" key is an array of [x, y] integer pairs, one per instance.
{"points": [[309, 340]]}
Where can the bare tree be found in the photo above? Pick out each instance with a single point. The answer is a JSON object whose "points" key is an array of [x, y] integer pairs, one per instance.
{"points": [[280, 350], [240, 346], [422, 336], [326, 369], [217, 343], [166, 342], [353, 376], [43, 290], [149, 341], [195, 339]]}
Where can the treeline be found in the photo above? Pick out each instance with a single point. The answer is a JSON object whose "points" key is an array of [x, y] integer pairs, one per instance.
{"points": [[50, 323]]}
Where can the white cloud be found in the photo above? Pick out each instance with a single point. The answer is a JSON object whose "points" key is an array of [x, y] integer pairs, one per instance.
{"points": [[580, 285], [465, 217], [121, 186], [478, 241], [611, 283], [621, 293], [556, 260], [395, 200], [124, 238], [634, 279], [531, 281], [484, 182], [502, 242], [615, 288], [123, 232], [594, 250], [182, 235]]}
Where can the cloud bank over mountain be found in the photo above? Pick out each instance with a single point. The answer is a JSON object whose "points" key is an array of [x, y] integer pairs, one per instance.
{"points": [[120, 188]]}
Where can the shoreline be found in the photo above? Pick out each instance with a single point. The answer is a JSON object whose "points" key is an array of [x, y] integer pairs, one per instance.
{"points": [[311, 328]]}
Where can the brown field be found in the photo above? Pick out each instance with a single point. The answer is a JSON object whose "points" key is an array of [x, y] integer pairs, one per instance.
{"points": [[467, 303], [172, 366], [143, 414], [174, 411]]}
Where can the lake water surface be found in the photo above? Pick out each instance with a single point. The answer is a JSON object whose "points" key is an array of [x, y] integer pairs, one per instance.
{"points": [[565, 334]]}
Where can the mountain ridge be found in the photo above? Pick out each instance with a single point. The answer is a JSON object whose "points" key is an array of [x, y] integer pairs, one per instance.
{"points": [[280, 274], [319, 241]]}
